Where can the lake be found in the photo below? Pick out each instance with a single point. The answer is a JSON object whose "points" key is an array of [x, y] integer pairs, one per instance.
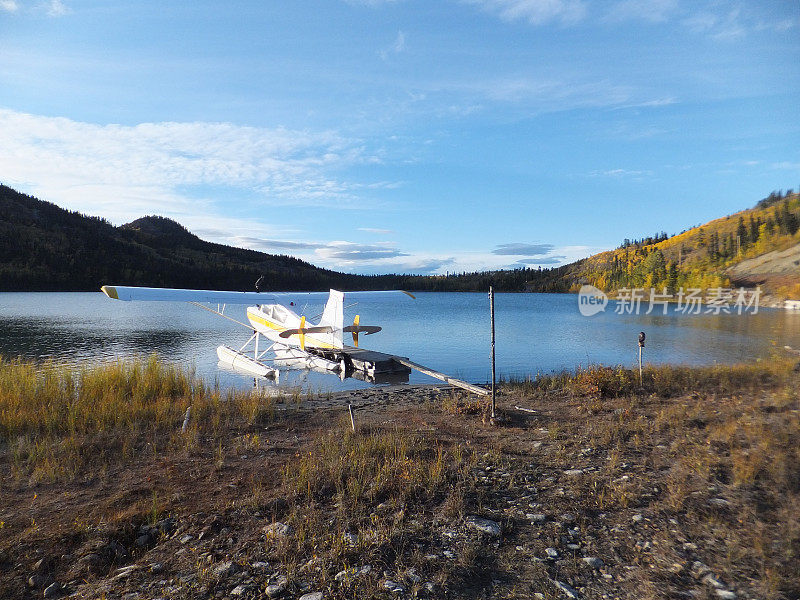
{"points": [[446, 331]]}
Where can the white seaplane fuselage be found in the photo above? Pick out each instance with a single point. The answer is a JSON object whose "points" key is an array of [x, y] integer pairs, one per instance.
{"points": [[270, 320]]}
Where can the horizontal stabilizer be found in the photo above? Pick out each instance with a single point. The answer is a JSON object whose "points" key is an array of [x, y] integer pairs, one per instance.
{"points": [[290, 332], [365, 329]]}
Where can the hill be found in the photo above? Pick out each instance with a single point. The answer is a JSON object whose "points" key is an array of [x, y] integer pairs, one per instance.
{"points": [[757, 246], [46, 248]]}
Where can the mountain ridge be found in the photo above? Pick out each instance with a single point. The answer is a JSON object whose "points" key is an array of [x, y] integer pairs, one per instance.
{"points": [[44, 247]]}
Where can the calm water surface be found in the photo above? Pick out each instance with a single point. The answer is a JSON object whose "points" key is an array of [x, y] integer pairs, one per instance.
{"points": [[446, 331]]}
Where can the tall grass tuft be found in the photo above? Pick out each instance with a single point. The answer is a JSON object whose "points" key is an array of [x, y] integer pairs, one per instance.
{"points": [[54, 419]]}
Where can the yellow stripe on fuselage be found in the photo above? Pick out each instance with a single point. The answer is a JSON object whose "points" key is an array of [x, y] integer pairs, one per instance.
{"points": [[278, 328]]}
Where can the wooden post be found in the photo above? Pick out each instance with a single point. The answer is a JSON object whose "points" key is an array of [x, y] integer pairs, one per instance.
{"points": [[352, 419], [640, 365], [186, 419], [491, 313], [641, 346]]}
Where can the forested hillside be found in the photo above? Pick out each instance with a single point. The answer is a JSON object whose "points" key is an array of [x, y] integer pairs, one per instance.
{"points": [[44, 247], [707, 256]]}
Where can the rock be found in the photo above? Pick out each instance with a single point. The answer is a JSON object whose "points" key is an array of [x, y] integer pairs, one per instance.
{"points": [[483, 525], [37, 580], [144, 540], [536, 517], [412, 576], [568, 518], [225, 569], [637, 518], [552, 553], [449, 554], [725, 594], [185, 539], [239, 590], [593, 561], [259, 565], [394, 587], [573, 472], [125, 571], [278, 529], [699, 569], [567, 590], [719, 502], [689, 546], [53, 590], [156, 567], [712, 581], [277, 588], [312, 596], [351, 539], [573, 547]]}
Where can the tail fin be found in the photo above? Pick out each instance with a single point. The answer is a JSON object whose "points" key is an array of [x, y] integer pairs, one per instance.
{"points": [[333, 317]]}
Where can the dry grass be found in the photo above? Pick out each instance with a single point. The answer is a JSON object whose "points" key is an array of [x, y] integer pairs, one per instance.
{"points": [[55, 421], [716, 449]]}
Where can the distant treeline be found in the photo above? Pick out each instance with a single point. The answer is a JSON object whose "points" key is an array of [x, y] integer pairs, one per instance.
{"points": [[46, 248]]}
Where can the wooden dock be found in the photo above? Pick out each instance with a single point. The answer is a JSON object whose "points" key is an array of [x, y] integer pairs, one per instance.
{"points": [[376, 364]]}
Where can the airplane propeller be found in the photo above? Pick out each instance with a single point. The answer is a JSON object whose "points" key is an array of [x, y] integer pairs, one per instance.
{"points": [[355, 329], [303, 330]]}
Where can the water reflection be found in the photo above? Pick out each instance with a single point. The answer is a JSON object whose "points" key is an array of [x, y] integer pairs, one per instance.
{"points": [[448, 332]]}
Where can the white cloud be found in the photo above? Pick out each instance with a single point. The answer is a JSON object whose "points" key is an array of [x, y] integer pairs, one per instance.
{"points": [[350, 252], [535, 12], [653, 11], [375, 230], [618, 173], [9, 5], [396, 47], [735, 22], [56, 8], [122, 171], [523, 249]]}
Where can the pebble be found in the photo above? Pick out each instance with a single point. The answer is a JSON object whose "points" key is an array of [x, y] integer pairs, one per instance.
{"points": [[225, 569], [239, 590], [568, 518], [185, 539], [276, 588], [572, 472], [536, 517], [277, 529], [394, 587], [594, 562], [351, 539], [719, 502], [312, 596], [483, 525], [567, 590], [637, 518], [725, 594], [713, 581], [552, 553]]}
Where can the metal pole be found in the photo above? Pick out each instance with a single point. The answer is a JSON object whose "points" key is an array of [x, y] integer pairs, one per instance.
{"points": [[491, 312], [640, 365]]}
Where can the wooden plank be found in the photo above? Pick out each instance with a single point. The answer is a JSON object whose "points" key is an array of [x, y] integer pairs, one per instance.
{"points": [[441, 376]]}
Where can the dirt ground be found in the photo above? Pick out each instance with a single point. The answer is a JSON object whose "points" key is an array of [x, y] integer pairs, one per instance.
{"points": [[569, 496]]}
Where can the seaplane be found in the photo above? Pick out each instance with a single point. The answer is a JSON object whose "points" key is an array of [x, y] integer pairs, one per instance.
{"points": [[295, 340]]}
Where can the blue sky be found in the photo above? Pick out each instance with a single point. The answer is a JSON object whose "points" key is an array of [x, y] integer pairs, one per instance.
{"points": [[404, 136]]}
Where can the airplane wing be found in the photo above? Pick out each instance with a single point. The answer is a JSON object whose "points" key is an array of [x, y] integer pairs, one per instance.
{"points": [[128, 293]]}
